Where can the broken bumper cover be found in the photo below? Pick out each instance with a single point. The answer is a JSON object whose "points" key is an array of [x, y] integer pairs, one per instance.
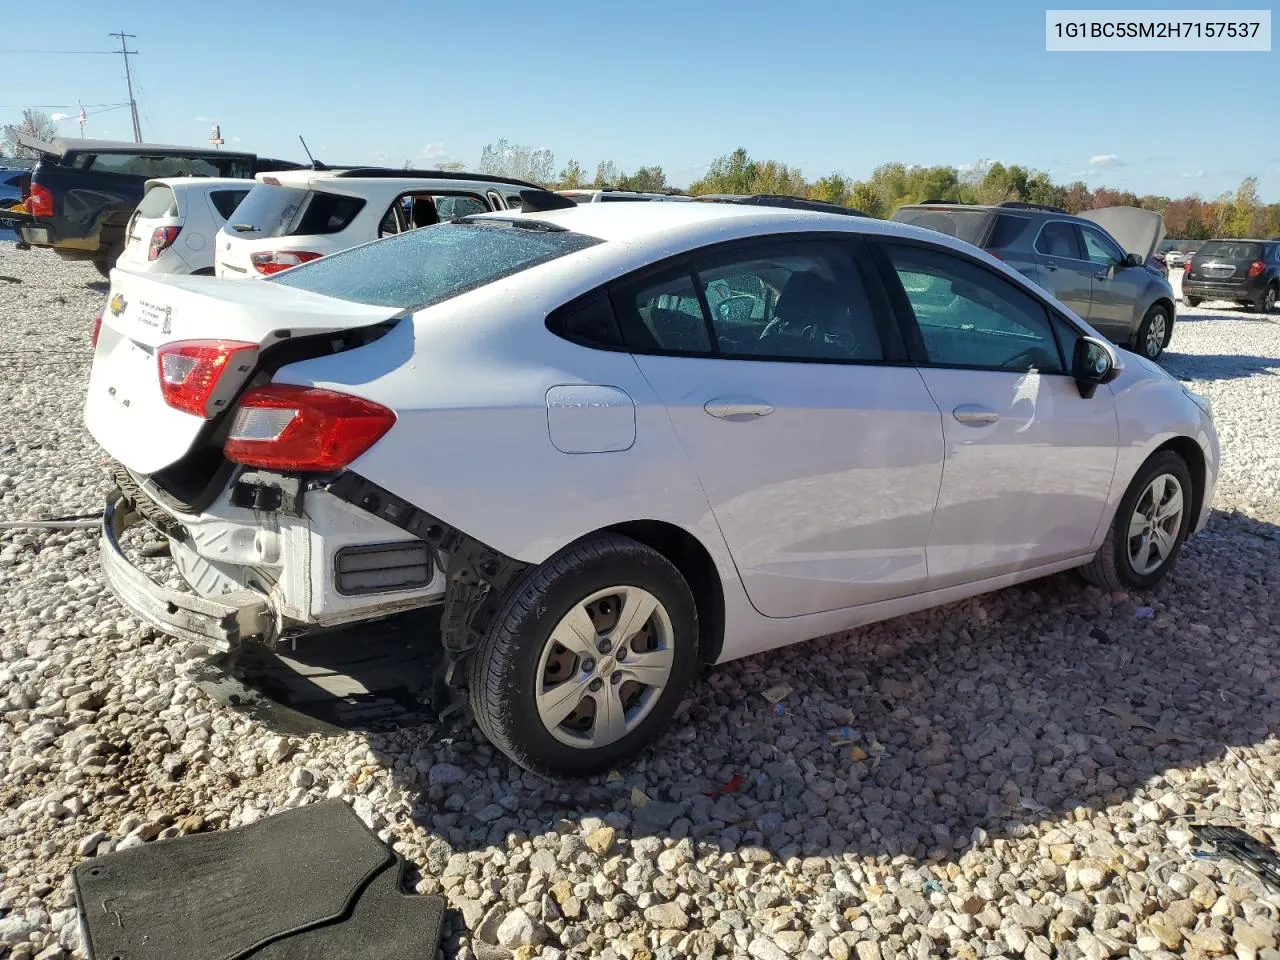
{"points": [[221, 624]]}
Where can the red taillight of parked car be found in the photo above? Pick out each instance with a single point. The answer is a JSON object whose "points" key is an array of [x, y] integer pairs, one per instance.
{"points": [[97, 327], [161, 240], [273, 261], [191, 370], [280, 426], [1256, 268], [1186, 267], [39, 201]]}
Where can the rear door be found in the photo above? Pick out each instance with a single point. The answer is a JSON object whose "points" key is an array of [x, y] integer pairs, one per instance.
{"points": [[1029, 463], [819, 449], [1064, 270]]}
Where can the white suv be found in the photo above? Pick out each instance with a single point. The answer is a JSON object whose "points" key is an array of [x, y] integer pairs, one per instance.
{"points": [[174, 227], [294, 216]]}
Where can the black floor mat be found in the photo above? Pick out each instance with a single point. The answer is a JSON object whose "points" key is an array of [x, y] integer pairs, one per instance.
{"points": [[217, 896], [385, 924]]}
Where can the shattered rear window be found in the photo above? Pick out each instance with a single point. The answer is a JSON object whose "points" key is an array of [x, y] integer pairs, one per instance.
{"points": [[427, 266]]}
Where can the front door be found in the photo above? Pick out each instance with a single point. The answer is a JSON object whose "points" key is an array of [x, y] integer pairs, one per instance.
{"points": [[821, 462], [1116, 288], [1029, 463]]}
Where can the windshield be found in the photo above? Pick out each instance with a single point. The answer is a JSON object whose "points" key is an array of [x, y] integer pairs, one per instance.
{"points": [[1231, 250], [159, 201], [432, 264], [966, 225]]}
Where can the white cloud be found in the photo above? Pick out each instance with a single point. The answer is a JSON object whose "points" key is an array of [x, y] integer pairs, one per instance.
{"points": [[1085, 174], [1193, 176], [1105, 160], [59, 117], [434, 151]]}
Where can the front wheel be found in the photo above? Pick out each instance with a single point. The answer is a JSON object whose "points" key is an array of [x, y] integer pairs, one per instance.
{"points": [[1153, 334], [1150, 525], [587, 659]]}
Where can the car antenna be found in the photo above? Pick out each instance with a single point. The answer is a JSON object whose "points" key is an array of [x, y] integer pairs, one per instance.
{"points": [[315, 164]]}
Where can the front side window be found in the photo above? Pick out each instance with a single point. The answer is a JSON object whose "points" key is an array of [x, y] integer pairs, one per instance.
{"points": [[1099, 248], [970, 317]]}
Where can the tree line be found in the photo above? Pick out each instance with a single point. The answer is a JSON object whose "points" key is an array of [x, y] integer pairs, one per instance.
{"points": [[891, 185]]}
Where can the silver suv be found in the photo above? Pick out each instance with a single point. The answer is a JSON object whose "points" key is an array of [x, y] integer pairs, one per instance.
{"points": [[1100, 263]]}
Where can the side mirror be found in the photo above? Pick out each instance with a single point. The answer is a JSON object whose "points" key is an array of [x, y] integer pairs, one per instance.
{"points": [[1132, 260], [1094, 363]]}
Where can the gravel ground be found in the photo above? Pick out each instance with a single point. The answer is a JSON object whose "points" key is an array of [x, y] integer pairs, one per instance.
{"points": [[1010, 776]]}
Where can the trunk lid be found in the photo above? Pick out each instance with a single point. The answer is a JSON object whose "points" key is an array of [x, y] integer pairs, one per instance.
{"points": [[125, 409], [1136, 230], [159, 208]]}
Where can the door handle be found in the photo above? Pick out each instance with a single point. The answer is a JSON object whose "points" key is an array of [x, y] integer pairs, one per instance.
{"points": [[973, 415], [737, 410], [1050, 265]]}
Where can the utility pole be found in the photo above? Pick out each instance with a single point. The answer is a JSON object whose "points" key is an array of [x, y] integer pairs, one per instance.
{"points": [[128, 79]]}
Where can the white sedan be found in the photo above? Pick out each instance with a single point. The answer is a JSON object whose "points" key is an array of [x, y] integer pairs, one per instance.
{"points": [[615, 441]]}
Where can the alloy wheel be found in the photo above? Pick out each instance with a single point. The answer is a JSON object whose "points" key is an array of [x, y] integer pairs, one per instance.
{"points": [[1155, 524], [1155, 335]]}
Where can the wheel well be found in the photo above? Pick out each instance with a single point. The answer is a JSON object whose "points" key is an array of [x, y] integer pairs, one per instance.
{"points": [[698, 569], [1191, 453]]}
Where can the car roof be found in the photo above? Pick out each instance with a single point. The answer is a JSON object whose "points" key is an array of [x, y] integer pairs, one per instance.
{"points": [[700, 222], [197, 183], [357, 175]]}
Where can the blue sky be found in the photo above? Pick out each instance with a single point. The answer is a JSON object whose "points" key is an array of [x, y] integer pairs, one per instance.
{"points": [[826, 85]]}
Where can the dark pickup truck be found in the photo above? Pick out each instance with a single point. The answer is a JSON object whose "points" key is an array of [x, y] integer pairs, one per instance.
{"points": [[79, 196]]}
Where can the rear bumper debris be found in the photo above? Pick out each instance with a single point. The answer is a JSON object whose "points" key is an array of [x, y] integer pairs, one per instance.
{"points": [[221, 624]]}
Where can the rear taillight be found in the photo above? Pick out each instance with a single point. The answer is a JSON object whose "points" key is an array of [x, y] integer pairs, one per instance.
{"points": [[161, 240], [1256, 268], [190, 372], [1186, 267], [40, 201], [281, 426], [97, 327], [273, 261]]}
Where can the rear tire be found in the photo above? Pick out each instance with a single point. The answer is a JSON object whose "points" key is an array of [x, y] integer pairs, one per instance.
{"points": [[1160, 487], [1266, 304], [1154, 332], [568, 710], [105, 264]]}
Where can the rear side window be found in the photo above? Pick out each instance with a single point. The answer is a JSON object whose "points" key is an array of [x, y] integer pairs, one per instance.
{"points": [[424, 267], [327, 213], [1006, 231], [591, 323], [226, 201], [158, 202], [144, 165]]}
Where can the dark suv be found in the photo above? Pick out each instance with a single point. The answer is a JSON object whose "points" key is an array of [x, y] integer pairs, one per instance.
{"points": [[1246, 271], [1100, 263]]}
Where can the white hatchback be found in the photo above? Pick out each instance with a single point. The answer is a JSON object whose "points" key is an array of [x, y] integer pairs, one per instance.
{"points": [[296, 216], [616, 441], [173, 229]]}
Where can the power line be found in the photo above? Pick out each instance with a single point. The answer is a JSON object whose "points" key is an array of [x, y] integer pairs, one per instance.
{"points": [[128, 78], [110, 53]]}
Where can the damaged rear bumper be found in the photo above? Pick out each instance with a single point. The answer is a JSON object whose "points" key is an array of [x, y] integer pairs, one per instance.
{"points": [[221, 624]]}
